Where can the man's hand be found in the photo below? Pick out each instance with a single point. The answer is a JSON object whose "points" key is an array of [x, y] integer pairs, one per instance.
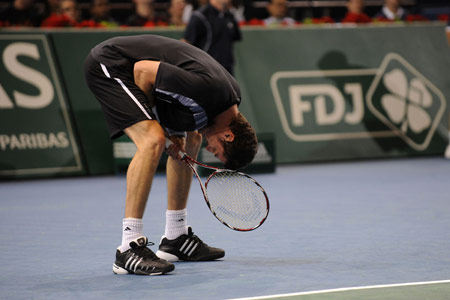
{"points": [[177, 146]]}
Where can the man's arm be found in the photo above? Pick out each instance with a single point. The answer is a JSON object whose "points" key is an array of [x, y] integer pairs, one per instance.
{"points": [[145, 75]]}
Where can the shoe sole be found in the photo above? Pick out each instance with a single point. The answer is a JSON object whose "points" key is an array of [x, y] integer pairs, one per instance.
{"points": [[167, 256], [173, 258], [121, 271]]}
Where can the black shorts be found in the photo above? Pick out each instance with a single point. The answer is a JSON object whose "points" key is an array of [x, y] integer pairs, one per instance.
{"points": [[122, 101]]}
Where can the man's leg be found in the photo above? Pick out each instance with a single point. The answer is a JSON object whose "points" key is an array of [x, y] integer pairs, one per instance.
{"points": [[179, 175], [149, 139], [179, 242], [179, 178], [133, 256]]}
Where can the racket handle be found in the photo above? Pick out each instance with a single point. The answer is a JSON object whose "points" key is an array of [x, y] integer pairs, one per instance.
{"points": [[181, 153]]}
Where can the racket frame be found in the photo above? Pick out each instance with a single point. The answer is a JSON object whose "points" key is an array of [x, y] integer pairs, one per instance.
{"points": [[190, 162]]}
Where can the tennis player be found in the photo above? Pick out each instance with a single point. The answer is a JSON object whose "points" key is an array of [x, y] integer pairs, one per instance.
{"points": [[152, 87]]}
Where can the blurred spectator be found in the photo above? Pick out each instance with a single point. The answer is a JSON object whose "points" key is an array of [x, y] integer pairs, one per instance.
{"points": [[391, 11], [278, 14], [144, 15], [176, 10], [100, 13], [214, 29], [67, 15], [51, 7], [355, 12], [70, 9], [20, 13]]}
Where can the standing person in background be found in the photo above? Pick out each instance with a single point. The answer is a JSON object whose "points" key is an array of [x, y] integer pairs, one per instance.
{"points": [[392, 11], [355, 12], [214, 29]]}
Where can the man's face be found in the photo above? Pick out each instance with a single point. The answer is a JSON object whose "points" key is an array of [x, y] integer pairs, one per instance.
{"points": [[355, 6], [393, 3], [278, 8], [23, 4], [177, 7], [70, 9], [100, 8], [215, 146]]}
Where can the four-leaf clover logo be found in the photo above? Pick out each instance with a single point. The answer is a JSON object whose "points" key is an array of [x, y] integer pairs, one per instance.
{"points": [[406, 103]]}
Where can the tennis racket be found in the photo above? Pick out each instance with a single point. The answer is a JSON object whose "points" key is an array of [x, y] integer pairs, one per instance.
{"points": [[234, 198]]}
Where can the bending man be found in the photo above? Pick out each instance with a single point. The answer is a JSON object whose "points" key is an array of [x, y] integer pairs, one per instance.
{"points": [[150, 87]]}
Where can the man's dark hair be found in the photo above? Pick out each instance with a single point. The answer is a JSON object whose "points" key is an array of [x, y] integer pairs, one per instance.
{"points": [[241, 151]]}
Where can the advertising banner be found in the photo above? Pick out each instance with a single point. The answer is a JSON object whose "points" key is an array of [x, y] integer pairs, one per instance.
{"points": [[36, 134], [346, 93]]}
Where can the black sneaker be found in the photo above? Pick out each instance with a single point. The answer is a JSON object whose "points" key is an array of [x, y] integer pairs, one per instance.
{"points": [[140, 260], [187, 247]]}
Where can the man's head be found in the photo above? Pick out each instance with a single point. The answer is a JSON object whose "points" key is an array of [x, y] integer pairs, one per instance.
{"points": [[277, 8], [235, 147], [23, 4], [100, 9], [220, 5], [355, 6], [392, 4], [176, 7], [70, 9]]}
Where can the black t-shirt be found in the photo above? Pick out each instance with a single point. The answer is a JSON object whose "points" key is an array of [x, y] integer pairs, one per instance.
{"points": [[191, 88], [214, 32]]}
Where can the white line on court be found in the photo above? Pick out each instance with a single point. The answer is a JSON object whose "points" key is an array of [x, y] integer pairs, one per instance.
{"points": [[345, 289]]}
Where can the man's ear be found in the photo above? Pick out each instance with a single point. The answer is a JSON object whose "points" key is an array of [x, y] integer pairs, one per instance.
{"points": [[228, 136]]}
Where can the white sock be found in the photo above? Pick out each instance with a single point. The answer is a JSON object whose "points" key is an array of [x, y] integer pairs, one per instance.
{"points": [[176, 223], [132, 229]]}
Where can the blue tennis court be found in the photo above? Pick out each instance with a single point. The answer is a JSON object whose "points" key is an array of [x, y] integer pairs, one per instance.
{"points": [[379, 223]]}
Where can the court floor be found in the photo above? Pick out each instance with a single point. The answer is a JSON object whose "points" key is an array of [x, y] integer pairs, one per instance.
{"points": [[350, 230]]}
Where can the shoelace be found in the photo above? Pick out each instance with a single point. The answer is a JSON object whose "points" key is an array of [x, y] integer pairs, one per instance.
{"points": [[196, 238], [145, 252]]}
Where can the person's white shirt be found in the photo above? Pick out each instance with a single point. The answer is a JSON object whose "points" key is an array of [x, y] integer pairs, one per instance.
{"points": [[275, 21], [391, 15], [187, 12]]}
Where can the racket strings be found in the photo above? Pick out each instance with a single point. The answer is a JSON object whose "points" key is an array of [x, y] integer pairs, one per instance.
{"points": [[236, 199]]}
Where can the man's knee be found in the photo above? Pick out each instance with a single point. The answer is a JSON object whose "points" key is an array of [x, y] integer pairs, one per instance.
{"points": [[147, 136], [152, 142]]}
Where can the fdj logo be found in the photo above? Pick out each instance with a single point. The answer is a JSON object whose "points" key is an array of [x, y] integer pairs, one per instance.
{"points": [[406, 101], [331, 104], [322, 105], [23, 68]]}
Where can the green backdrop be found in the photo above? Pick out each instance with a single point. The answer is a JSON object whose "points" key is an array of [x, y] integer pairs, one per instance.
{"points": [[325, 93]]}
